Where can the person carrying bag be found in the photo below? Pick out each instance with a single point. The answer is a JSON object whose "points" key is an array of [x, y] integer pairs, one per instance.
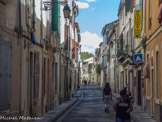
{"points": [[123, 107]]}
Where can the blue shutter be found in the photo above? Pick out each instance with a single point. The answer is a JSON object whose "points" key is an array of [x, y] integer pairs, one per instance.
{"points": [[4, 75]]}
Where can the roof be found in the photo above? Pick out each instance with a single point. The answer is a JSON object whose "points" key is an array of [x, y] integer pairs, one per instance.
{"points": [[106, 29], [89, 60]]}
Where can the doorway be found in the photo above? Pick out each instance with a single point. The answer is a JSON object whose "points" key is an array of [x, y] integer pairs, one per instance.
{"points": [[139, 87], [152, 92], [31, 83]]}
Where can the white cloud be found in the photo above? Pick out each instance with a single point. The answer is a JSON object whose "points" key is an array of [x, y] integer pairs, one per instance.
{"points": [[82, 5], [90, 41], [91, 0]]}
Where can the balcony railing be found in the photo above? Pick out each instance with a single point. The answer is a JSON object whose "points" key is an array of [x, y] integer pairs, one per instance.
{"points": [[125, 50]]}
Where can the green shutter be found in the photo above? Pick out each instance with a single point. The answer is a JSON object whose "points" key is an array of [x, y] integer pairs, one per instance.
{"points": [[55, 16], [127, 6]]}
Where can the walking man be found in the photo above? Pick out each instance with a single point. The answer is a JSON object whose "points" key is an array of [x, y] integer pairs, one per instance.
{"points": [[107, 96], [123, 107]]}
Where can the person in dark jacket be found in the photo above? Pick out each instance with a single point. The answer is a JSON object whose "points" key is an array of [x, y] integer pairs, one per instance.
{"points": [[123, 107], [107, 96]]}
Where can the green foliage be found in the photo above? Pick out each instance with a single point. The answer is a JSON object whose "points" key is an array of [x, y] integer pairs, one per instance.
{"points": [[98, 69], [86, 55]]}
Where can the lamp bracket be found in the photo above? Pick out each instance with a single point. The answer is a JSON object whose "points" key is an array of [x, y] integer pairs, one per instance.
{"points": [[48, 4]]}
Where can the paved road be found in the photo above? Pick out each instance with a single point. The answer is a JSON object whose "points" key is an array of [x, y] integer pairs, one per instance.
{"points": [[91, 108]]}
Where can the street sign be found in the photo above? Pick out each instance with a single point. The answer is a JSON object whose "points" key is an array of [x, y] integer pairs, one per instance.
{"points": [[138, 58], [137, 23]]}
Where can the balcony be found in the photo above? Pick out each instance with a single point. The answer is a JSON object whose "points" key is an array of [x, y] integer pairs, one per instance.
{"points": [[102, 65], [122, 53], [51, 43]]}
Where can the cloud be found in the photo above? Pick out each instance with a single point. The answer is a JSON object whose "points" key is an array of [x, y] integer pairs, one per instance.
{"points": [[82, 5], [91, 0], [90, 41]]}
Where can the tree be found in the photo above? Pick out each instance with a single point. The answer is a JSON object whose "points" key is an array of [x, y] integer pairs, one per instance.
{"points": [[86, 55]]}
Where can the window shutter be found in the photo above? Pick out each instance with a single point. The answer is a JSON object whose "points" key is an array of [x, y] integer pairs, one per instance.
{"points": [[36, 76], [127, 6], [4, 75], [28, 13], [55, 17], [48, 30], [34, 15]]}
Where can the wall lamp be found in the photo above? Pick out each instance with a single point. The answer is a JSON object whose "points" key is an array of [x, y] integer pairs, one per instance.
{"points": [[48, 6]]}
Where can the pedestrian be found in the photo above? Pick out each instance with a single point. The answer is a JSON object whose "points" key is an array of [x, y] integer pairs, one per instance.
{"points": [[85, 83], [123, 107], [107, 96], [89, 82]]}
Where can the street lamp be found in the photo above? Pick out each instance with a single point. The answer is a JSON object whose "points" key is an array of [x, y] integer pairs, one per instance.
{"points": [[66, 11], [111, 43]]}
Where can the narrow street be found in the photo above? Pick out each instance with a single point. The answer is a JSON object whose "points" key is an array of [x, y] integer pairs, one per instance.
{"points": [[50, 48], [91, 107]]}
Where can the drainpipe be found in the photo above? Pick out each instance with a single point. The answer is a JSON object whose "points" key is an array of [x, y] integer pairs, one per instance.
{"points": [[60, 79], [19, 18], [115, 78], [42, 49], [19, 33]]}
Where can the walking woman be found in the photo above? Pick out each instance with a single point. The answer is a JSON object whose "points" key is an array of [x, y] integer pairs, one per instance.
{"points": [[123, 107], [107, 96]]}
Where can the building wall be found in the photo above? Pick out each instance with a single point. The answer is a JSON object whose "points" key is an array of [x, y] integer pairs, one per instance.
{"points": [[155, 7], [153, 45], [153, 85]]}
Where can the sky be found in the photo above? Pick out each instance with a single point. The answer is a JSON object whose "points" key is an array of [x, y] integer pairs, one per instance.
{"points": [[93, 16]]}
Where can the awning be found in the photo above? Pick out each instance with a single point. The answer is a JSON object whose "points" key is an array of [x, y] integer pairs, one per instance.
{"points": [[160, 15]]}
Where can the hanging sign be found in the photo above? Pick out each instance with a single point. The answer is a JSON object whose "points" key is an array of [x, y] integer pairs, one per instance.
{"points": [[137, 23]]}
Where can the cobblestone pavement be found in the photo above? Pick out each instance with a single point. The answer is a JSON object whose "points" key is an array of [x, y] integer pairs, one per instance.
{"points": [[91, 108]]}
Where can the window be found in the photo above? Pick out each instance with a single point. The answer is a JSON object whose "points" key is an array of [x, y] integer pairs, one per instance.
{"points": [[157, 75], [34, 15], [132, 39], [150, 14], [160, 1], [28, 12]]}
